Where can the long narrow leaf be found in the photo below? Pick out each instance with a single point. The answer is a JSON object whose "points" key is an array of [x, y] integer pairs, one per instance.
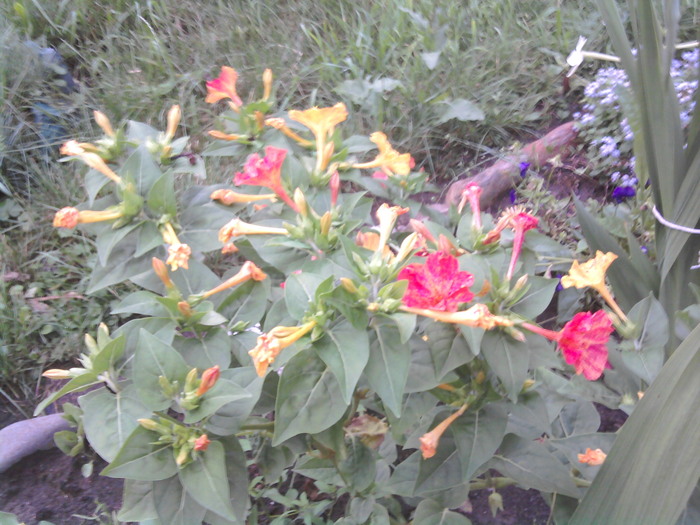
{"points": [[654, 464]]}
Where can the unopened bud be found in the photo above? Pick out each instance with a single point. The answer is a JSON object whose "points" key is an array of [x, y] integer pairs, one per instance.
{"points": [[495, 503], [91, 344], [335, 187], [56, 373], [202, 443], [527, 384], [327, 154], [259, 119], [480, 377], [348, 285], [326, 223], [515, 334], [184, 308], [162, 272], [520, 283], [191, 380], [445, 245], [183, 456], [104, 123], [149, 424], [173, 121], [300, 202], [373, 307], [209, 378], [267, 83]]}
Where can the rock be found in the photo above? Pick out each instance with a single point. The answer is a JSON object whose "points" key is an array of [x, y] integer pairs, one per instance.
{"points": [[505, 174], [26, 437]]}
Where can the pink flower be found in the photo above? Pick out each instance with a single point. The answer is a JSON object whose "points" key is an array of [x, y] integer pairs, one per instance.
{"points": [[224, 86], [438, 284], [266, 172], [584, 340], [521, 223]]}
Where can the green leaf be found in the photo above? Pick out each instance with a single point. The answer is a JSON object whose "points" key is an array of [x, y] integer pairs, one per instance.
{"points": [[657, 452], [247, 302], [207, 350], [137, 501], [345, 350], [109, 418], [300, 291], [309, 398], [175, 505], [161, 197], [580, 417], [644, 356], [228, 418], [387, 368], [110, 238], [508, 359], [142, 169], [533, 466], [153, 359], [109, 354], [359, 467], [537, 298], [477, 436], [206, 481], [406, 323], [141, 460], [222, 393], [77, 384], [141, 302], [429, 512], [528, 417], [460, 109]]}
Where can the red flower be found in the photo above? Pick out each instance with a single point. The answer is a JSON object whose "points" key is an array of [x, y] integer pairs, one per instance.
{"points": [[438, 284], [224, 86], [266, 172], [583, 341]]}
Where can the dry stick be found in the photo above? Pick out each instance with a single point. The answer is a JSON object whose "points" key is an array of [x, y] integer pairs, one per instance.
{"points": [[504, 175]]}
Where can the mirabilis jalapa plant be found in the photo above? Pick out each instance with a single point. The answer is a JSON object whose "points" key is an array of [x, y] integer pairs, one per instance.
{"points": [[331, 344]]}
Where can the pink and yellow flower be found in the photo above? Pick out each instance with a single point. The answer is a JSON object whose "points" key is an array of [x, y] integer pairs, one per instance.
{"points": [[438, 284], [224, 86], [266, 172], [472, 194]]}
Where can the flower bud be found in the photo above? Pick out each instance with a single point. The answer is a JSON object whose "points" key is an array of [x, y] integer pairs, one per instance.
{"points": [[300, 202], [202, 443], [495, 503], [348, 285], [326, 223], [162, 272], [267, 83], [104, 123], [185, 309], [520, 283], [173, 121], [209, 378], [56, 373], [149, 424], [191, 380], [335, 187]]}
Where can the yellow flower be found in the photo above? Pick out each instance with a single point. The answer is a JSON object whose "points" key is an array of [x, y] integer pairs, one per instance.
{"points": [[267, 83], [269, 345], [236, 227], [321, 121], [280, 125], [69, 217], [178, 256], [429, 442], [224, 136], [229, 197], [174, 115], [477, 316], [591, 274], [389, 160], [57, 373], [592, 457], [104, 123], [387, 215]]}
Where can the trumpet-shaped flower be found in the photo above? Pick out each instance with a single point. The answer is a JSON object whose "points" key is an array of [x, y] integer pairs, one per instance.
{"points": [[236, 227], [178, 256], [220, 135], [270, 344], [429, 442], [104, 123], [266, 172], [280, 125], [229, 197], [174, 115], [521, 222], [248, 271], [69, 217], [438, 284], [591, 274], [477, 316], [583, 342], [321, 121], [387, 215], [390, 161], [472, 194], [592, 457], [73, 148], [224, 86]]}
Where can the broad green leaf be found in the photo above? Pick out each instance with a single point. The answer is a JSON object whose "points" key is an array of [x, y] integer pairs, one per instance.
{"points": [[206, 350], [161, 197], [345, 350], [572, 446], [246, 302], [533, 466], [537, 298], [508, 359], [387, 368], [460, 109], [309, 398], [109, 354], [140, 459], [429, 512], [137, 501], [580, 417], [645, 354], [237, 474], [94, 182], [229, 417], [175, 505], [110, 238], [406, 323], [153, 359], [440, 472], [477, 436], [77, 384], [657, 452], [206, 480], [124, 267], [149, 238], [359, 466], [222, 393], [528, 417], [109, 418], [141, 302], [448, 351], [142, 169], [299, 291]]}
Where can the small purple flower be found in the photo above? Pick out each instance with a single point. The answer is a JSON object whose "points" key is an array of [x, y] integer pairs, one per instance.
{"points": [[523, 168], [559, 287], [622, 193], [645, 250], [512, 196]]}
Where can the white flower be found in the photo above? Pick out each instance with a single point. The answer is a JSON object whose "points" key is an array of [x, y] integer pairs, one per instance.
{"points": [[575, 58]]}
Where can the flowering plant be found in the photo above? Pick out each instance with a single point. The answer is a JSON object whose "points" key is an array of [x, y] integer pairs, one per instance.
{"points": [[330, 342]]}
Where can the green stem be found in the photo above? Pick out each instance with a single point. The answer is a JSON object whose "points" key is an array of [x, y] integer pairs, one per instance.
{"points": [[492, 483], [258, 426]]}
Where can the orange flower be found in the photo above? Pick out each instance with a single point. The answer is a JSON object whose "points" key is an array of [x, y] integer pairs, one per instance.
{"points": [[592, 457], [229, 197], [209, 378], [248, 271], [477, 316], [269, 345], [104, 123], [224, 136], [70, 217], [75, 149], [202, 443], [178, 256], [280, 125], [236, 227], [174, 115], [388, 160], [224, 86], [161, 271], [429, 442]]}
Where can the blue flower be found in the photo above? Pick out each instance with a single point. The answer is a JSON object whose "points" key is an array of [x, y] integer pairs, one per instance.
{"points": [[622, 193], [523, 168]]}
